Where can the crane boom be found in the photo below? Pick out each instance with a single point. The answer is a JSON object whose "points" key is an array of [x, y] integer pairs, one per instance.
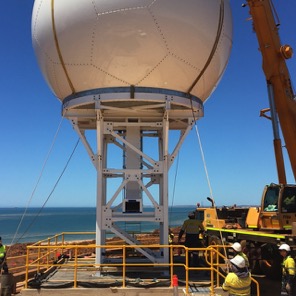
{"points": [[274, 57], [275, 218]]}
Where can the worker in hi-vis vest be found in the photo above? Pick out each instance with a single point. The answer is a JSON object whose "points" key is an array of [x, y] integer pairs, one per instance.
{"points": [[2, 253], [192, 228], [238, 280], [288, 272], [237, 247]]}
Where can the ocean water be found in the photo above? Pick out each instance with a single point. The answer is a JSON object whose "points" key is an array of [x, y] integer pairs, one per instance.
{"points": [[33, 224]]}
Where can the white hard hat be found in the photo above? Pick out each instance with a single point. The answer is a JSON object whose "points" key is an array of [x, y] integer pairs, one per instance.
{"points": [[238, 261], [237, 247], [285, 247]]}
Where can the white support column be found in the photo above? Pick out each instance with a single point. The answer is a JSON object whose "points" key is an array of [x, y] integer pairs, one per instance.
{"points": [[101, 184], [164, 197]]}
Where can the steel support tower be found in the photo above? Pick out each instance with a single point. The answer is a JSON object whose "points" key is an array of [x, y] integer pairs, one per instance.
{"points": [[126, 132]]}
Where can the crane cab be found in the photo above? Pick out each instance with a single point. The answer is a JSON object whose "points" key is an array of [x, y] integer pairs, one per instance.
{"points": [[278, 207]]}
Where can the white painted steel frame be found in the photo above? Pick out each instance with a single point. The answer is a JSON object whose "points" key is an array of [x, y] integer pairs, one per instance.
{"points": [[168, 111]]}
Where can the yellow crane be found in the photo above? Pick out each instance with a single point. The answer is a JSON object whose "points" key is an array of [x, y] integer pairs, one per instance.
{"points": [[281, 94], [262, 229]]}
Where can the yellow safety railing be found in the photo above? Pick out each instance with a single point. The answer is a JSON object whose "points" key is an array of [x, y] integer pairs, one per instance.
{"points": [[43, 255], [212, 253], [124, 265], [17, 263]]}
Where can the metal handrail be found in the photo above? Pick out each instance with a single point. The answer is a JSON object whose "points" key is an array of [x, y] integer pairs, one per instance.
{"points": [[213, 252], [43, 255]]}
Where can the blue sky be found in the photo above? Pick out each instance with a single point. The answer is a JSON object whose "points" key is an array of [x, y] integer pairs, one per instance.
{"points": [[237, 143]]}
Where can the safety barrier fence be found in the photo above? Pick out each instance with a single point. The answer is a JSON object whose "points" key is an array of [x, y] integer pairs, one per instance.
{"points": [[45, 254], [40, 258], [16, 263]]}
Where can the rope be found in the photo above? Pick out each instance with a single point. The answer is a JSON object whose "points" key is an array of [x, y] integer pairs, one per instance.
{"points": [[52, 191], [210, 187], [38, 180], [204, 161], [174, 187], [219, 31]]}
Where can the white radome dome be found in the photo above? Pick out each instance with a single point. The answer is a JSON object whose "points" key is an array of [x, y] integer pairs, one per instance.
{"points": [[167, 44]]}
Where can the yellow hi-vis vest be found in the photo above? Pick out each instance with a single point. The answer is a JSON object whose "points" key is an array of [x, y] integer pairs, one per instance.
{"points": [[192, 226], [2, 251], [288, 266], [237, 286]]}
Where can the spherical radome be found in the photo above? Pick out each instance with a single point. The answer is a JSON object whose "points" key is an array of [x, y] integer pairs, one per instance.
{"points": [[169, 44]]}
